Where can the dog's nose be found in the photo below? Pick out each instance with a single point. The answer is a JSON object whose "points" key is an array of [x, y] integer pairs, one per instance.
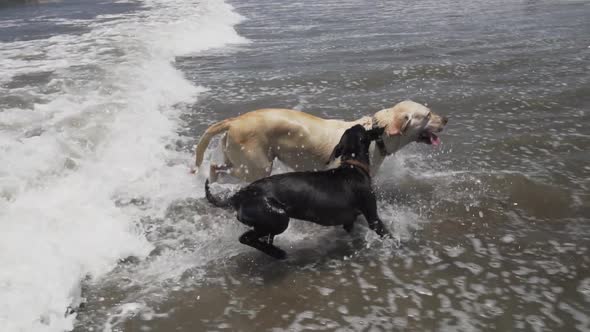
{"points": [[445, 120]]}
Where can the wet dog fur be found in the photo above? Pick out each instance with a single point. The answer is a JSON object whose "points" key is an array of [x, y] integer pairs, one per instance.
{"points": [[329, 198]]}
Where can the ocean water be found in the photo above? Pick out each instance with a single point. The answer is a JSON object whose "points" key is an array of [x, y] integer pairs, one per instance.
{"points": [[90, 100], [102, 228]]}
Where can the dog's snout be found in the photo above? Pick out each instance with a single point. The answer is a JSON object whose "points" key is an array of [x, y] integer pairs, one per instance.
{"points": [[445, 120]]}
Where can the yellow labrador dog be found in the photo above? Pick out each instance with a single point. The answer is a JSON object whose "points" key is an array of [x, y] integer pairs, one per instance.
{"points": [[304, 142]]}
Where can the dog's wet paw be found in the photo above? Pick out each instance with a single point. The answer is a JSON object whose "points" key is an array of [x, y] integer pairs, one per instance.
{"points": [[348, 227], [386, 235], [277, 253]]}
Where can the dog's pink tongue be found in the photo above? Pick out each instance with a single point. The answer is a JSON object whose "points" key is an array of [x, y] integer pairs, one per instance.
{"points": [[434, 140]]}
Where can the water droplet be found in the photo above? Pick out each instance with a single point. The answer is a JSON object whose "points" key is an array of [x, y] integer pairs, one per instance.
{"points": [[507, 239]]}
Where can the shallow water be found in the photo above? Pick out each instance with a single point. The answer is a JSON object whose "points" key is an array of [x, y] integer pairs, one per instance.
{"points": [[490, 230]]}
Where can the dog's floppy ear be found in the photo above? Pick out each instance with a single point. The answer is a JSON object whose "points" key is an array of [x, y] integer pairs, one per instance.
{"points": [[399, 125], [375, 133], [337, 152]]}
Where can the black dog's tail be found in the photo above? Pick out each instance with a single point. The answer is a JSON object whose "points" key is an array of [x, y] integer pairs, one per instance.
{"points": [[222, 203]]}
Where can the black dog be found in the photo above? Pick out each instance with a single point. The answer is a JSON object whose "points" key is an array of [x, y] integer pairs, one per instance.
{"points": [[332, 197]]}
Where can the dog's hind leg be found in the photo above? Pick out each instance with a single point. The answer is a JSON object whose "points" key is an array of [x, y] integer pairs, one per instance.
{"points": [[252, 238], [267, 218], [215, 169], [251, 162], [269, 238]]}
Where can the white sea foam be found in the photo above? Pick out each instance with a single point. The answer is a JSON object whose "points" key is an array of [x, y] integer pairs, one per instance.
{"points": [[96, 134]]}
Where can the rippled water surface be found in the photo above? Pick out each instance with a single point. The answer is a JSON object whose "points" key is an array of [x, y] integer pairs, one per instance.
{"points": [[491, 230]]}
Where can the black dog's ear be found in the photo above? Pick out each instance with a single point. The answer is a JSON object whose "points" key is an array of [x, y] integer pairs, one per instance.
{"points": [[337, 152], [375, 133]]}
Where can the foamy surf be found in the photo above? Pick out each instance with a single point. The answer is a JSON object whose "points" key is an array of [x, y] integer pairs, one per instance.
{"points": [[88, 141]]}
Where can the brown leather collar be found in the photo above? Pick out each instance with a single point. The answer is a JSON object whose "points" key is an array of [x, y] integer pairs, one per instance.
{"points": [[363, 167]]}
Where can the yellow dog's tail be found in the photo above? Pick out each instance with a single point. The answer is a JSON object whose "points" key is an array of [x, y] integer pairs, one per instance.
{"points": [[213, 130]]}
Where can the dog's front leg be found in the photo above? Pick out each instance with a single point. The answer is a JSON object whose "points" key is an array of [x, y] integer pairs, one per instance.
{"points": [[369, 210], [348, 227], [378, 227]]}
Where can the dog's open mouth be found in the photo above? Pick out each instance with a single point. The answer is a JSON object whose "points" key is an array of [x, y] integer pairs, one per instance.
{"points": [[428, 137]]}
